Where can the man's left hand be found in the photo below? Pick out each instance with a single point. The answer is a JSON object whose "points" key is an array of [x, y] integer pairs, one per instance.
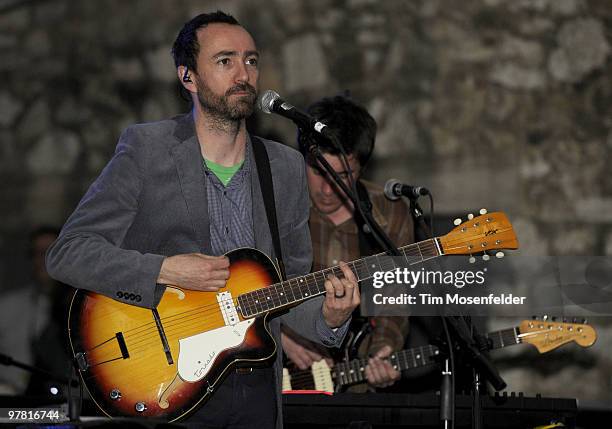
{"points": [[341, 298], [379, 372]]}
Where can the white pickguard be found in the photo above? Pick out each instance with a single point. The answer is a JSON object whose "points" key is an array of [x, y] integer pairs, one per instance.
{"points": [[198, 353]]}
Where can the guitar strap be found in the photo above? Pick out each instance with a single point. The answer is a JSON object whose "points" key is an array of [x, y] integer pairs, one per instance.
{"points": [[262, 161]]}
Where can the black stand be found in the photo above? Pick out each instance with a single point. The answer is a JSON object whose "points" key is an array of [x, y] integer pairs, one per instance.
{"points": [[74, 408], [9, 361], [465, 339], [365, 209], [473, 355]]}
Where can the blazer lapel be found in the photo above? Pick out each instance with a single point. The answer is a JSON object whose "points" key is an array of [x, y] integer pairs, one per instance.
{"points": [[188, 159]]}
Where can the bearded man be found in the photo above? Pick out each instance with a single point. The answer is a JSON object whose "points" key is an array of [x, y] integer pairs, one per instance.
{"points": [[179, 194]]}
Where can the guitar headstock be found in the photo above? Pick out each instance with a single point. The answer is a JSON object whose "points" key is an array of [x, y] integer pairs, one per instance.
{"points": [[489, 231], [546, 335]]}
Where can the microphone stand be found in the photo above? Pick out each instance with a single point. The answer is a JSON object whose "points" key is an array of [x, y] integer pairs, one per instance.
{"points": [[73, 408], [465, 340], [366, 209], [419, 219], [9, 361]]}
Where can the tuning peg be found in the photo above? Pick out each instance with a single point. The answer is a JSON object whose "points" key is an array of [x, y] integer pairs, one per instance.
{"points": [[545, 317], [565, 320], [534, 317], [470, 216], [457, 222], [483, 211], [584, 321], [485, 257], [499, 255], [574, 320], [472, 259], [553, 319]]}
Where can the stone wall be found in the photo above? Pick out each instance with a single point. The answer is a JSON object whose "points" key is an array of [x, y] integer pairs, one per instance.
{"points": [[504, 104]]}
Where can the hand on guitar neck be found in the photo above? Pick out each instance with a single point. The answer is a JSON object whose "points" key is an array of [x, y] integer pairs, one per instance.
{"points": [[341, 297], [379, 372]]}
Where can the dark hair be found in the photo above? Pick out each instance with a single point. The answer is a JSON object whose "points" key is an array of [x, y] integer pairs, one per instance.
{"points": [[352, 124], [186, 47]]}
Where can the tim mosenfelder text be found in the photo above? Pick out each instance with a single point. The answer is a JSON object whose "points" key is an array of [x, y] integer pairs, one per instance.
{"points": [[456, 279]]}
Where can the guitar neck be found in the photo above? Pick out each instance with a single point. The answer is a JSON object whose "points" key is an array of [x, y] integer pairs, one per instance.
{"points": [[504, 338], [352, 372], [299, 289]]}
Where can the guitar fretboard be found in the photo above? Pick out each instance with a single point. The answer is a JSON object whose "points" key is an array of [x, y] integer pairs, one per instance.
{"points": [[503, 338], [299, 289], [352, 372]]}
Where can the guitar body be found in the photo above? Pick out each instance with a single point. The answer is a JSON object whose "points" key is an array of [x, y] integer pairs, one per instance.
{"points": [[121, 356]]}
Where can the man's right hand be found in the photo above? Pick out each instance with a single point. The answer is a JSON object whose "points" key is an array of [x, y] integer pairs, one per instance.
{"points": [[301, 356], [195, 271]]}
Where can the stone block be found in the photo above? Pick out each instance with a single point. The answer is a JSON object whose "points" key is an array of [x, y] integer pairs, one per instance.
{"points": [[54, 153], [583, 47], [305, 65], [514, 76], [10, 107]]}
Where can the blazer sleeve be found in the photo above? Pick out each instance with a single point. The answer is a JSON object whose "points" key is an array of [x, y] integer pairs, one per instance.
{"points": [[305, 319], [88, 252]]}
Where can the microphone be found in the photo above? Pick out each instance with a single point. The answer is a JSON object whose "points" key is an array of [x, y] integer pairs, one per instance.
{"points": [[271, 102], [394, 189]]}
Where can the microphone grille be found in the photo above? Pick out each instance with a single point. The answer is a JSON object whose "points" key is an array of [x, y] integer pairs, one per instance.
{"points": [[390, 189], [267, 99]]}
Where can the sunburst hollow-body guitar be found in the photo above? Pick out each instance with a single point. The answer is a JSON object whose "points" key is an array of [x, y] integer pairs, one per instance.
{"points": [[166, 362]]}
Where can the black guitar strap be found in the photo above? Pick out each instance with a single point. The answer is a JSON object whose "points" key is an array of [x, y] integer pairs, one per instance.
{"points": [[267, 190]]}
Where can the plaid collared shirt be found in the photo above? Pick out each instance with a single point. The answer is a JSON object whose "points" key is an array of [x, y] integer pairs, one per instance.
{"points": [[332, 243], [230, 208]]}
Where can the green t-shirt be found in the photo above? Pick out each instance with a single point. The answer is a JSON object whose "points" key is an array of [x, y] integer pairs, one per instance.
{"points": [[224, 174]]}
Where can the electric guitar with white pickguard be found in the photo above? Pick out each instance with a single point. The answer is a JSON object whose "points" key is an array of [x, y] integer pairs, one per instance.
{"points": [[166, 362]]}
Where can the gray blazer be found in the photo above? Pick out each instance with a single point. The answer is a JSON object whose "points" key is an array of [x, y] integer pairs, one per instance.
{"points": [[150, 202]]}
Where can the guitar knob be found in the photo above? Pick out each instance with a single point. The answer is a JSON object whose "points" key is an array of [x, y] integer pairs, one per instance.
{"points": [[457, 222], [115, 394], [472, 259], [485, 257], [499, 255], [140, 407], [483, 211], [470, 216]]}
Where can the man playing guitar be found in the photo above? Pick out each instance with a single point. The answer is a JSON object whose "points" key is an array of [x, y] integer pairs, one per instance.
{"points": [[155, 226], [336, 229]]}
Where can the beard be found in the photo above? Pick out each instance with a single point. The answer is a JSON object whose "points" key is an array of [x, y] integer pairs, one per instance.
{"points": [[224, 108]]}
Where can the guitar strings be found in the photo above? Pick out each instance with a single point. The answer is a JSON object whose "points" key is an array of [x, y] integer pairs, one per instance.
{"points": [[187, 317], [215, 305]]}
